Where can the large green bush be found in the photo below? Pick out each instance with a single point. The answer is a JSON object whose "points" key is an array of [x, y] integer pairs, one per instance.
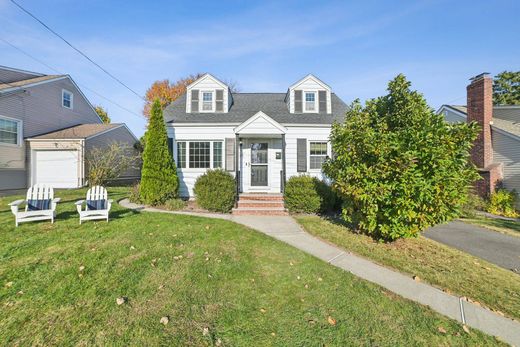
{"points": [[215, 191], [398, 166], [159, 181], [306, 194], [503, 203]]}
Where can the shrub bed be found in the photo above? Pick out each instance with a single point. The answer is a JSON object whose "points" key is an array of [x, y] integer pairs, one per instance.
{"points": [[306, 194], [503, 202], [215, 191]]}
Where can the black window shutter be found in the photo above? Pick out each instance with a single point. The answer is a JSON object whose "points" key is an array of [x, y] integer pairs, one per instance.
{"points": [[194, 100], [219, 100], [170, 146], [230, 154], [322, 98], [301, 155], [298, 107]]}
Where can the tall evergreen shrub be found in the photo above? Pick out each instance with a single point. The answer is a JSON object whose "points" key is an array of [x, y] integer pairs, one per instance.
{"points": [[159, 181]]}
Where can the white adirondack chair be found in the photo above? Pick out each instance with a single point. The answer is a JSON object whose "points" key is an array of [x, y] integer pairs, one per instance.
{"points": [[97, 206], [40, 204]]}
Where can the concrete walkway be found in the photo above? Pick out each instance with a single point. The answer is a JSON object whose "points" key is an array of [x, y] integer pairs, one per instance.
{"points": [[497, 248], [286, 229]]}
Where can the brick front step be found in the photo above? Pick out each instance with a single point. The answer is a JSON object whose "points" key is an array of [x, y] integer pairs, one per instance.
{"points": [[260, 203], [266, 211], [261, 197]]}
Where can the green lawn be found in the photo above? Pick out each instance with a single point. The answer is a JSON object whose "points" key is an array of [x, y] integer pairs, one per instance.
{"points": [[504, 226], [244, 287], [445, 267]]}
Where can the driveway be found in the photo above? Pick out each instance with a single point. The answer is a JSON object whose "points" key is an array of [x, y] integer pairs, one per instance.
{"points": [[502, 250]]}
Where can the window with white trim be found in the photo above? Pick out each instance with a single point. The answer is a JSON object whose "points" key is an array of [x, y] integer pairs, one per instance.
{"points": [[67, 99], [200, 154], [317, 154], [310, 101], [181, 154], [10, 131], [207, 101]]}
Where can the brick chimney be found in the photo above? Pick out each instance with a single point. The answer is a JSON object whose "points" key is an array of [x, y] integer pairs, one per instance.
{"points": [[480, 110]]}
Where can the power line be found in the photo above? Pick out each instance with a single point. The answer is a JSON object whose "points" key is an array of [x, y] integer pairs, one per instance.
{"points": [[61, 73], [77, 50]]}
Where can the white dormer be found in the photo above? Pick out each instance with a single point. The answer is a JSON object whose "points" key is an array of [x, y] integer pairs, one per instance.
{"points": [[207, 95], [309, 95]]}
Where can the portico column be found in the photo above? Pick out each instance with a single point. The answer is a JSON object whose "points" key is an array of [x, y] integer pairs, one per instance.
{"points": [[237, 163]]}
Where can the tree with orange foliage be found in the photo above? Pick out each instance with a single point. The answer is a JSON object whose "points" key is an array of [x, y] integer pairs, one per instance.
{"points": [[166, 92]]}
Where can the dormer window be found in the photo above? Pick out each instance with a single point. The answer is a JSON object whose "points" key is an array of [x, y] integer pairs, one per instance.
{"points": [[67, 99], [310, 101], [207, 101]]}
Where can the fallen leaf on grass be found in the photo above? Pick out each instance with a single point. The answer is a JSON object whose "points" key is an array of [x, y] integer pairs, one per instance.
{"points": [[218, 342], [81, 268], [331, 320], [320, 279], [9, 284], [263, 310], [465, 328], [121, 300], [164, 320], [416, 278], [205, 331], [441, 330]]}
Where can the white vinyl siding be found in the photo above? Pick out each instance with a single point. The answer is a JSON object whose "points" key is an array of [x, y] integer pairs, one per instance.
{"points": [[309, 84], [208, 84], [212, 133]]}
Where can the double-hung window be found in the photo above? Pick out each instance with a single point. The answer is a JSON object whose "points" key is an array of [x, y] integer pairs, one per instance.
{"points": [[67, 99], [317, 155], [207, 101], [10, 131], [310, 101], [199, 154]]}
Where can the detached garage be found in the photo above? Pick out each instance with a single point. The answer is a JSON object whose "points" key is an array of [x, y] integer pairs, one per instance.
{"points": [[58, 158]]}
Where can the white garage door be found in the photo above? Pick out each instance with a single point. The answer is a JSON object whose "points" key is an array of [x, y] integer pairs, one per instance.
{"points": [[57, 168]]}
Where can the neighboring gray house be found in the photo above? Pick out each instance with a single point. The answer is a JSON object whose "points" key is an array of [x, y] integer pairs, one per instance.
{"points": [[497, 150], [34, 104], [261, 138]]}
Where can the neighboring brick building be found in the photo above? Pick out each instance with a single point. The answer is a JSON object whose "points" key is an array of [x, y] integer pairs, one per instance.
{"points": [[496, 152]]}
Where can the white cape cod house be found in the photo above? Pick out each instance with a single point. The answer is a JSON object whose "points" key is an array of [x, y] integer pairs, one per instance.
{"points": [[261, 138]]}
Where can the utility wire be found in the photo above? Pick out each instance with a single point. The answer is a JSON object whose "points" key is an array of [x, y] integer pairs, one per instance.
{"points": [[77, 50], [61, 73]]}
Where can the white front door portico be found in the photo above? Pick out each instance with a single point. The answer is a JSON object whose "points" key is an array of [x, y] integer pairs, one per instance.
{"points": [[261, 158]]}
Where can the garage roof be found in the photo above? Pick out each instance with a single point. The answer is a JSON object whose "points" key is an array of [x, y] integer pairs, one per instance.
{"points": [[81, 131]]}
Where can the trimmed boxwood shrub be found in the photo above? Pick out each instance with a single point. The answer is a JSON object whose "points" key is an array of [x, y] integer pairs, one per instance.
{"points": [[215, 191], [306, 194]]}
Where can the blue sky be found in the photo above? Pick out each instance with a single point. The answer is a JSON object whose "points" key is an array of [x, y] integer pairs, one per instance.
{"points": [[355, 47]]}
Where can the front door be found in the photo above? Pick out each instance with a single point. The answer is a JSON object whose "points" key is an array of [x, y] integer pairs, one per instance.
{"points": [[259, 164]]}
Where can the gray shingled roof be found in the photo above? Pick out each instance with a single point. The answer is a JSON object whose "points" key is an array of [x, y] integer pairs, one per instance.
{"points": [[246, 105], [78, 132], [506, 118], [28, 81]]}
